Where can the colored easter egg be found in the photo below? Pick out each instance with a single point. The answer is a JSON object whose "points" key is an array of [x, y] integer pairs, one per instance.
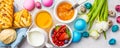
{"points": [[76, 36], [118, 19], [38, 5], [80, 24], [112, 41], [85, 34], [115, 28], [47, 3], [88, 5], [117, 8], [29, 4]]}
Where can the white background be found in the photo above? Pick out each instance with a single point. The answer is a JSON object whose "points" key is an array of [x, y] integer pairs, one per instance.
{"points": [[85, 42]]}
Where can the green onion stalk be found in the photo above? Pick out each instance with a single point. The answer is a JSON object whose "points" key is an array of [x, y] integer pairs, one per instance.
{"points": [[99, 12]]}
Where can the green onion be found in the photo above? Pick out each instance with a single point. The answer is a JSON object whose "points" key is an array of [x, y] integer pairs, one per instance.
{"points": [[105, 35]]}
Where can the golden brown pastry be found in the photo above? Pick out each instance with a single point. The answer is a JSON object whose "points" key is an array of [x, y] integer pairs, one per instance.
{"points": [[6, 13], [0, 27], [7, 36], [22, 19]]}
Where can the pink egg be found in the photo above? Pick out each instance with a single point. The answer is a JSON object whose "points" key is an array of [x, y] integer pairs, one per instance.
{"points": [[29, 4], [117, 8], [38, 5], [118, 19], [47, 3]]}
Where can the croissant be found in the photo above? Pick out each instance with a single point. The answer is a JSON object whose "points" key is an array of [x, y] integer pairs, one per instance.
{"points": [[7, 36], [22, 18], [6, 13]]}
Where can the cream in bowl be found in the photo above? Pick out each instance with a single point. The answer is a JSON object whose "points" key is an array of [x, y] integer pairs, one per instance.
{"points": [[36, 37], [63, 11], [60, 35]]}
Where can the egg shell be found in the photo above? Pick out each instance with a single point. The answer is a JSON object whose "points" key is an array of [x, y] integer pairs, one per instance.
{"points": [[83, 9], [76, 36], [47, 3], [111, 13], [88, 5], [115, 28], [112, 41], [80, 24], [29, 4]]}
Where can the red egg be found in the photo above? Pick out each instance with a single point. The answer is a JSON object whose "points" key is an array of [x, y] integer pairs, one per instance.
{"points": [[118, 19], [117, 8], [38, 5]]}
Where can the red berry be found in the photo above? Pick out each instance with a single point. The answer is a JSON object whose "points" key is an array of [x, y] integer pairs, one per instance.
{"points": [[53, 36], [62, 43], [59, 42]]}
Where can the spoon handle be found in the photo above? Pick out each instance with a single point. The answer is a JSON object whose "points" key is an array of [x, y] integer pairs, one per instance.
{"points": [[79, 3], [75, 6]]}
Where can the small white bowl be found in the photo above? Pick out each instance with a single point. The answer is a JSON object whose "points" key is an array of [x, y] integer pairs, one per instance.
{"points": [[56, 16], [50, 33], [42, 32], [42, 11]]}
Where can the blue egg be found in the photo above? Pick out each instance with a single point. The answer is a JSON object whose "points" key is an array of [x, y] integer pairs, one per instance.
{"points": [[85, 34], [88, 5], [76, 36], [115, 28], [80, 24], [112, 41]]}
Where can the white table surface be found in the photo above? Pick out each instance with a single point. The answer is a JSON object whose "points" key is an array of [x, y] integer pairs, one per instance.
{"points": [[85, 42]]}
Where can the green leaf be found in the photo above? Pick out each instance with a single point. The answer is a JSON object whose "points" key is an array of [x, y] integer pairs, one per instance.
{"points": [[57, 27], [68, 32]]}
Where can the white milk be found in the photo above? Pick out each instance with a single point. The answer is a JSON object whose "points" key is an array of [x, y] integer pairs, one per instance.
{"points": [[36, 38]]}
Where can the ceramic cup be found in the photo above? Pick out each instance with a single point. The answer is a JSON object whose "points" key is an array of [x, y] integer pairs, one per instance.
{"points": [[55, 12], [42, 33]]}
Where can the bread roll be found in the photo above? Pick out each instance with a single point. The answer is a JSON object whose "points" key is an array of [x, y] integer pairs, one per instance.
{"points": [[7, 36]]}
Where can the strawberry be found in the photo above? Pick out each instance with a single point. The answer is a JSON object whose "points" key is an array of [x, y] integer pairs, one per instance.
{"points": [[63, 36], [62, 29]]}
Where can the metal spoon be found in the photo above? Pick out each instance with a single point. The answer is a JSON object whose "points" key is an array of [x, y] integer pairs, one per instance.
{"points": [[78, 4]]}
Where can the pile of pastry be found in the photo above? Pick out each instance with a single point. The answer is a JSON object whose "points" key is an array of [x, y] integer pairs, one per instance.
{"points": [[9, 21]]}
